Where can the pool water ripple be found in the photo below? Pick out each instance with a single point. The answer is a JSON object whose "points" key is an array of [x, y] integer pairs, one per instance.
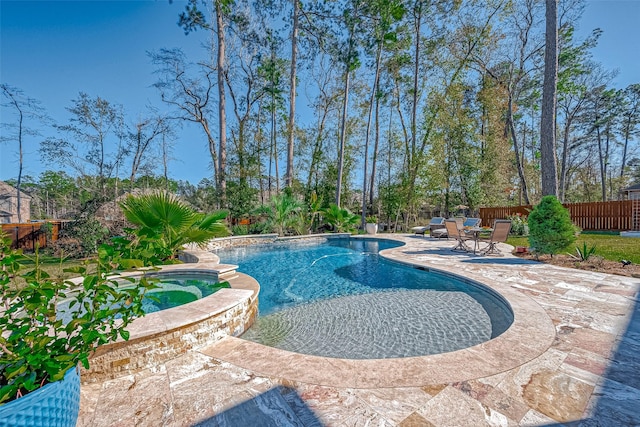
{"points": [[377, 326], [341, 299]]}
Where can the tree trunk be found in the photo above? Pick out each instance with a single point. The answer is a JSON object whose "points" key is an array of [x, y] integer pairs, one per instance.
{"points": [[275, 147], [343, 135], [165, 161], [375, 152], [374, 89], [259, 150], [514, 138], [565, 158], [292, 98], [628, 129], [315, 155], [222, 115], [343, 127], [603, 166], [548, 121], [414, 105], [20, 163]]}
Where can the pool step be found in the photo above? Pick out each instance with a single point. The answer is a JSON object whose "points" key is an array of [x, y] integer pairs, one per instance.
{"points": [[225, 271]]}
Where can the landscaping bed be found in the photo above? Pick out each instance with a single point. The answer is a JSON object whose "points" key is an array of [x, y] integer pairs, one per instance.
{"points": [[595, 263]]}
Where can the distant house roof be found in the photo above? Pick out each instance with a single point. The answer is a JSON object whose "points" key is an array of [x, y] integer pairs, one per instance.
{"points": [[634, 187], [8, 191]]}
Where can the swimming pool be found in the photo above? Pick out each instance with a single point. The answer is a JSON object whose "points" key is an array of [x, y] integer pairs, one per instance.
{"points": [[341, 299]]}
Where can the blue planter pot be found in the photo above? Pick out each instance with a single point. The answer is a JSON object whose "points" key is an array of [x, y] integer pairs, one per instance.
{"points": [[55, 404]]}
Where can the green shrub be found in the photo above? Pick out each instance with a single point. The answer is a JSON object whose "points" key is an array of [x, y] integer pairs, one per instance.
{"points": [[550, 227], [82, 238], [341, 219], [239, 230], [519, 225]]}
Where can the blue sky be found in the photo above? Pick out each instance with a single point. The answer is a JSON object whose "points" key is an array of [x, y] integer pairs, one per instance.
{"points": [[52, 50]]}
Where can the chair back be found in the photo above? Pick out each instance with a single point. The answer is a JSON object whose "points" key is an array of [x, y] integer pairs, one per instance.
{"points": [[458, 219], [452, 228], [472, 222], [436, 220], [501, 228]]}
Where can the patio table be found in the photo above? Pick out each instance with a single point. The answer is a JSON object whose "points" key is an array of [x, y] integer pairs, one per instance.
{"points": [[476, 231]]}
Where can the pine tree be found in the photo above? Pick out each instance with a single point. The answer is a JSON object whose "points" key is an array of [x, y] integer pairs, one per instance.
{"points": [[550, 227]]}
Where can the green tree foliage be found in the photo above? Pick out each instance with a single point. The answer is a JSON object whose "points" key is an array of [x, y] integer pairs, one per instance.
{"points": [[550, 227], [171, 222], [90, 147]]}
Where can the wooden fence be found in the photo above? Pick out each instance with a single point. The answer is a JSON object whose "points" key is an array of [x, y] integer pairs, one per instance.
{"points": [[27, 235], [597, 216]]}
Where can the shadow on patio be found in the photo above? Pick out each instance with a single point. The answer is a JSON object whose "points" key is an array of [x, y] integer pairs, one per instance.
{"points": [[279, 406], [616, 400]]}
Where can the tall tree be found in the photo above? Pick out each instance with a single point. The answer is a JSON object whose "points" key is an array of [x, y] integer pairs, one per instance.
{"points": [[221, 7], [190, 20], [630, 120], [292, 93], [351, 61], [515, 70], [189, 92], [147, 130], [548, 160], [574, 76], [383, 13], [271, 71], [26, 110], [89, 146], [604, 106]]}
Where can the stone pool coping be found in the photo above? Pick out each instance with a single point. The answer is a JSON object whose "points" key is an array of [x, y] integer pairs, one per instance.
{"points": [[505, 352]]}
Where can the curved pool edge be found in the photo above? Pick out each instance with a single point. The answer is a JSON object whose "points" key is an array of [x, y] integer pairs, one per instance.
{"points": [[161, 336], [529, 336]]}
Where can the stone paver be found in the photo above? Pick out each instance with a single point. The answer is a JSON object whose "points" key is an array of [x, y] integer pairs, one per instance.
{"points": [[588, 373]]}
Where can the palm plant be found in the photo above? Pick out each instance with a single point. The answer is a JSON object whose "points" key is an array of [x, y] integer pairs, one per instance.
{"points": [[340, 218], [171, 221], [281, 212]]}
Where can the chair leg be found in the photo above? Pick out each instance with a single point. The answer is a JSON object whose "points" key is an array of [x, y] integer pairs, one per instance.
{"points": [[461, 246], [492, 248]]}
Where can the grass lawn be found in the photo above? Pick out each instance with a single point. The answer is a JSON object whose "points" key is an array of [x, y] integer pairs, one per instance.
{"points": [[50, 265], [609, 246]]}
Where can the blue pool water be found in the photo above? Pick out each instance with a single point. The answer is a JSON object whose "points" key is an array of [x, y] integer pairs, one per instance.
{"points": [[171, 290], [340, 299], [174, 289]]}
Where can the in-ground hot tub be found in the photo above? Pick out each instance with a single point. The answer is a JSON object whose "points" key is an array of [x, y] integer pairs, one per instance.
{"points": [[163, 335]]}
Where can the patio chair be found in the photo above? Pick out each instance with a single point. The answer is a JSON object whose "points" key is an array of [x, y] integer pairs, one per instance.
{"points": [[472, 222], [501, 228], [454, 232], [469, 222], [436, 223]]}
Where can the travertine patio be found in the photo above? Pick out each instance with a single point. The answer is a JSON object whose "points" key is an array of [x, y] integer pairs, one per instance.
{"points": [[576, 360]]}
